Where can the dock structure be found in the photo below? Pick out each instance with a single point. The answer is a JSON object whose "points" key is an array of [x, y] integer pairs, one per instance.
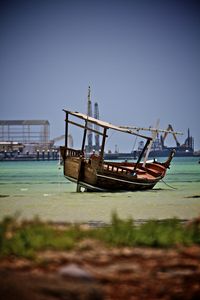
{"points": [[24, 139], [28, 140], [25, 131]]}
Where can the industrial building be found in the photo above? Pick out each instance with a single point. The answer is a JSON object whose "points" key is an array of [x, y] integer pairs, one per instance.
{"points": [[24, 131], [28, 139]]}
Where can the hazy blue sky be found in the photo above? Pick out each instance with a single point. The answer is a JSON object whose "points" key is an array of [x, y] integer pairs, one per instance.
{"points": [[141, 58]]}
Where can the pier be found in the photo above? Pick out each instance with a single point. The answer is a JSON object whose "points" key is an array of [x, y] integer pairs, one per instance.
{"points": [[43, 155]]}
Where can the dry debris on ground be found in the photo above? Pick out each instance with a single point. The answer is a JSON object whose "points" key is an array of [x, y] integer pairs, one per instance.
{"points": [[93, 271]]}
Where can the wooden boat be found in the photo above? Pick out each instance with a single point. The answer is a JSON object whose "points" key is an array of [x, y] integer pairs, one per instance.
{"points": [[96, 174]]}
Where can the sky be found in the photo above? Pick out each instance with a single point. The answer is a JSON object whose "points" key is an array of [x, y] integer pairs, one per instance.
{"points": [[141, 59]]}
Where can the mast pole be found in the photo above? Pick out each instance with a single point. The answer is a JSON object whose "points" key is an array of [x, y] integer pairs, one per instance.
{"points": [[66, 129], [103, 144], [154, 134], [84, 136], [141, 154]]}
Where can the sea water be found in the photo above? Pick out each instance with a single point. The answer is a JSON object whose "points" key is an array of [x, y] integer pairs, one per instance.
{"points": [[38, 188]]}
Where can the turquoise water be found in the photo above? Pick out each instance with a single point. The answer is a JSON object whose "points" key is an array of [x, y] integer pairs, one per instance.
{"points": [[31, 189]]}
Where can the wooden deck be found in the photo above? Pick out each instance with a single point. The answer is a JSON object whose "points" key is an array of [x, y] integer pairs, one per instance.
{"points": [[128, 170]]}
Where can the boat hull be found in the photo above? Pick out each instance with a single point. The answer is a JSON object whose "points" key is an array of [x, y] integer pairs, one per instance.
{"points": [[107, 177], [111, 184]]}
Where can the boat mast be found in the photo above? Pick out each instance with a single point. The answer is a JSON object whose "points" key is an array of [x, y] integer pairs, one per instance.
{"points": [[96, 127], [66, 129], [141, 154], [153, 135], [84, 137], [103, 143]]}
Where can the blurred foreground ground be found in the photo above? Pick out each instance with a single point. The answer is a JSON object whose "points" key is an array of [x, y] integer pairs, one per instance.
{"points": [[92, 272]]}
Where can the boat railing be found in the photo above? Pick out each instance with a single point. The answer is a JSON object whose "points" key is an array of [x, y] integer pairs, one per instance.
{"points": [[73, 152], [113, 167], [69, 152], [117, 169], [152, 171]]}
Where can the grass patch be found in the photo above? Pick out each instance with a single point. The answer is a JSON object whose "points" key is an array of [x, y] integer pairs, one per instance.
{"points": [[27, 238], [154, 233]]}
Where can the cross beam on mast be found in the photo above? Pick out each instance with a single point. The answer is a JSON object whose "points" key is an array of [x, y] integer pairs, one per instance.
{"points": [[152, 129]]}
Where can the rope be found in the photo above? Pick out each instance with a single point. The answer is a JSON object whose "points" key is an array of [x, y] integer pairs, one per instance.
{"points": [[169, 185], [134, 144], [110, 136]]}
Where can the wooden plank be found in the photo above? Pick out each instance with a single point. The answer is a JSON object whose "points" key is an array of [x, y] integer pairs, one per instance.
{"points": [[87, 128], [106, 124]]}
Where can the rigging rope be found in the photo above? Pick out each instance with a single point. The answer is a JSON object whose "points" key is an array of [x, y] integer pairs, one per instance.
{"points": [[110, 136], [169, 185], [134, 144]]}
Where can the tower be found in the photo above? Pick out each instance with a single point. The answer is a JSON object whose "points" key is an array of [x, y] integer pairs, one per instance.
{"points": [[89, 113]]}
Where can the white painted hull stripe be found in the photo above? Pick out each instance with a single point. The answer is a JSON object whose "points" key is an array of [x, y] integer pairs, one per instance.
{"points": [[125, 181], [86, 185]]}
